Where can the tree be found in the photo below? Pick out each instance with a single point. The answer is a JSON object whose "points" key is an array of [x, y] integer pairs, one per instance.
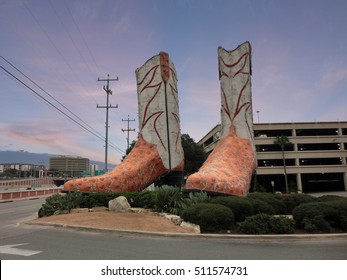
{"points": [[194, 154], [129, 149], [283, 142]]}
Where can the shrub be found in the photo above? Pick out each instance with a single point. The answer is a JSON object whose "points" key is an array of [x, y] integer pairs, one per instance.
{"points": [[74, 200], [264, 223], [194, 198], [278, 205], [144, 199], [328, 198], [256, 224], [210, 217], [293, 200], [333, 212], [340, 205], [58, 202], [343, 223], [261, 206], [282, 225], [98, 199], [240, 206], [316, 224], [168, 199], [52, 204]]}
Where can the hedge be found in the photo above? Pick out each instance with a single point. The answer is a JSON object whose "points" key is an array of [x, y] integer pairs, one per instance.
{"points": [[240, 206], [210, 217], [311, 215], [278, 205], [264, 224]]}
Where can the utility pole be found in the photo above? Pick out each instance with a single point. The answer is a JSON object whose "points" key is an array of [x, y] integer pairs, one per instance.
{"points": [[128, 129], [108, 106]]}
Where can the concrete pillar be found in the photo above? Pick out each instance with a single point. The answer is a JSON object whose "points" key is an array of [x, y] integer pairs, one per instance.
{"points": [[299, 182], [345, 180]]}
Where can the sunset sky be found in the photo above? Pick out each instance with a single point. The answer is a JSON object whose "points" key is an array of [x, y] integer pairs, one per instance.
{"points": [[299, 59]]}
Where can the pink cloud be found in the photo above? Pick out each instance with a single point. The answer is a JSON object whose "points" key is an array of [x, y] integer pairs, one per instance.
{"points": [[36, 137]]}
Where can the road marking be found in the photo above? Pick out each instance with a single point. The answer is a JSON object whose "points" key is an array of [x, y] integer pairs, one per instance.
{"points": [[9, 249]]}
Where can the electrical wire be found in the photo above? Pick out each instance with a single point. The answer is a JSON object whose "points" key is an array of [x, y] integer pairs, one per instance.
{"points": [[54, 106]]}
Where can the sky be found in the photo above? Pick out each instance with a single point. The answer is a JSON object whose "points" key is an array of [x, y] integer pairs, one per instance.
{"points": [[59, 49]]}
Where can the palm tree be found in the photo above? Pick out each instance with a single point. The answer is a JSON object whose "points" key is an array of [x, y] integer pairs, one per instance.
{"points": [[283, 141]]}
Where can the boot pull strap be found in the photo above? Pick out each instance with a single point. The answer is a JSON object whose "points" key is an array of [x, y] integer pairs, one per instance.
{"points": [[164, 66]]}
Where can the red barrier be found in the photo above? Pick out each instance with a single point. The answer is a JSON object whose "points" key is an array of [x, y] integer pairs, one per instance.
{"points": [[26, 194]]}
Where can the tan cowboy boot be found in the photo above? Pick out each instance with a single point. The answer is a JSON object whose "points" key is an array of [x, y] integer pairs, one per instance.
{"points": [[230, 166], [158, 149]]}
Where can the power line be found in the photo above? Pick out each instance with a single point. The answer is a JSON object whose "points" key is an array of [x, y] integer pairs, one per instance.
{"points": [[53, 44], [70, 37], [46, 100], [81, 34], [54, 106], [51, 96]]}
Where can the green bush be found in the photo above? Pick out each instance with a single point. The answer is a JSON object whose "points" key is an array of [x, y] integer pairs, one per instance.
{"points": [[334, 212], [343, 222], [240, 206], [58, 202], [328, 198], [282, 225], [193, 198], [316, 224], [52, 204], [278, 205], [98, 199], [261, 206], [293, 200], [168, 199], [256, 224], [264, 224], [210, 217], [340, 205], [144, 199]]}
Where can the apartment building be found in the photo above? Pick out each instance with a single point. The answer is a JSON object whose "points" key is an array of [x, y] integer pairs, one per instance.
{"points": [[315, 162]]}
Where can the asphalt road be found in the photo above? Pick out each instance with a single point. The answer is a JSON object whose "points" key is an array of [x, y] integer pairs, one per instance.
{"points": [[20, 241]]}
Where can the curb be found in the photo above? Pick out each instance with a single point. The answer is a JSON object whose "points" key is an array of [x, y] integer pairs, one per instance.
{"points": [[201, 235]]}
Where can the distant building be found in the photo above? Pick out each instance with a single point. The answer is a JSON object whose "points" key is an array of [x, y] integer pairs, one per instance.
{"points": [[25, 169], [72, 166], [316, 162]]}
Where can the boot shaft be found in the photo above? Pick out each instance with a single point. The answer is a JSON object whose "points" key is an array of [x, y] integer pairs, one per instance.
{"points": [[236, 96], [159, 121]]}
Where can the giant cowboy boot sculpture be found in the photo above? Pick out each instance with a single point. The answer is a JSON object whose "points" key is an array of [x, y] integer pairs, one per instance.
{"points": [[230, 166], [158, 150]]}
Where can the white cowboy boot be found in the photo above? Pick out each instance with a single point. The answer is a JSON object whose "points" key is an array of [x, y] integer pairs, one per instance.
{"points": [[230, 166], [158, 149]]}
